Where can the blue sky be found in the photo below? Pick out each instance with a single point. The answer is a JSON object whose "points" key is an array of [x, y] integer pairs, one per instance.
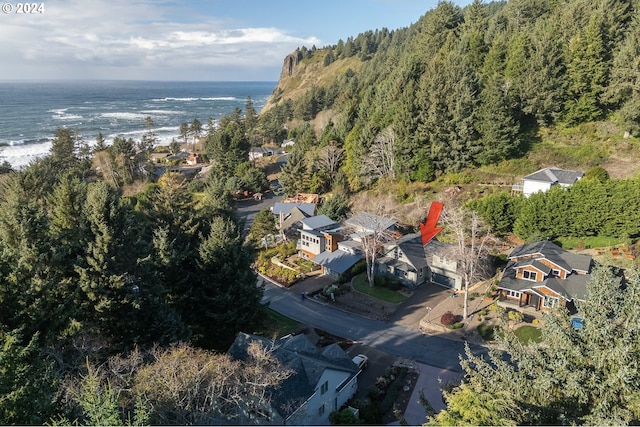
{"points": [[184, 40]]}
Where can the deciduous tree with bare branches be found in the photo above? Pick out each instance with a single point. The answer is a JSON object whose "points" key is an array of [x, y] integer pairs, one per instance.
{"points": [[329, 159], [372, 224], [380, 161], [470, 238]]}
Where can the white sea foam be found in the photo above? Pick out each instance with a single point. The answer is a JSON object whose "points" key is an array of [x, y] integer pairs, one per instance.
{"points": [[221, 98], [163, 112], [21, 155], [124, 116], [67, 117]]}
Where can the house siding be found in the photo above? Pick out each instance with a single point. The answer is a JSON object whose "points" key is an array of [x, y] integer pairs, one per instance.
{"points": [[316, 410], [539, 274], [531, 187]]}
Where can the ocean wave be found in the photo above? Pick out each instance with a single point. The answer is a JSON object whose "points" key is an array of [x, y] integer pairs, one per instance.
{"points": [[22, 155], [67, 117], [124, 116], [220, 98], [161, 112]]}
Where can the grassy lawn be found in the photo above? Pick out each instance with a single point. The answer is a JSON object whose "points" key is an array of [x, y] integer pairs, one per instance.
{"points": [[528, 333], [588, 242], [361, 284], [276, 325]]}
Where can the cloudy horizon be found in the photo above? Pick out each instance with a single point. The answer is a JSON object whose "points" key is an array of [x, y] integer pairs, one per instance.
{"points": [[191, 40]]}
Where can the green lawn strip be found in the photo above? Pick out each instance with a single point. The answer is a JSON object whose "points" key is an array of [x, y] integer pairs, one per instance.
{"points": [[361, 284], [276, 325], [588, 242], [528, 333]]}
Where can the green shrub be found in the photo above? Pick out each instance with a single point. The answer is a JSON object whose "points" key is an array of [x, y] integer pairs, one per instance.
{"points": [[393, 392], [487, 332], [375, 393], [456, 325], [343, 418]]}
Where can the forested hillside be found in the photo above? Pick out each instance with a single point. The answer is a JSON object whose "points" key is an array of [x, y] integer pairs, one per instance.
{"points": [[465, 87]]}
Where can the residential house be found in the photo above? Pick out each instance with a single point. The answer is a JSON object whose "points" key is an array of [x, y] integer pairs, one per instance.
{"points": [[418, 258], [336, 263], [194, 159], [317, 235], [542, 275], [321, 241], [288, 143], [405, 260], [444, 268], [258, 152], [178, 157], [289, 215], [546, 178], [364, 224], [323, 379]]}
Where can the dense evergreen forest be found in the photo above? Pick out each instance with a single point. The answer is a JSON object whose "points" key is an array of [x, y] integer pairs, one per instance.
{"points": [[88, 273], [466, 87]]}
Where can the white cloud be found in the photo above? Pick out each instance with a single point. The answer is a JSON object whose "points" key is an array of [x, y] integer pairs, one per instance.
{"points": [[138, 40]]}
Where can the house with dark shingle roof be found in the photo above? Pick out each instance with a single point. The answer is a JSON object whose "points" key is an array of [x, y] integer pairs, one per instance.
{"points": [[323, 379], [413, 263], [542, 275], [546, 178], [405, 260]]}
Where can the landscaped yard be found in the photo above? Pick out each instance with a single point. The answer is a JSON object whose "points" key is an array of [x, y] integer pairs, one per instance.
{"points": [[528, 333], [361, 284]]}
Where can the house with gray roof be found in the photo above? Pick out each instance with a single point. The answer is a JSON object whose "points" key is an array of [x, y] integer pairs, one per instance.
{"points": [[413, 263], [323, 379], [405, 260], [309, 209], [544, 179], [542, 276]]}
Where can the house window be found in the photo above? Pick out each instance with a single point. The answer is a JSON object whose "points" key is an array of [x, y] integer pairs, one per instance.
{"points": [[324, 387], [550, 302], [321, 410], [513, 294], [529, 275], [555, 273]]}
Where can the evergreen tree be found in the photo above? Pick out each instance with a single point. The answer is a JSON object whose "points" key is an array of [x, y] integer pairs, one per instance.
{"points": [[586, 73], [499, 131], [225, 299], [584, 376], [294, 173], [27, 381]]}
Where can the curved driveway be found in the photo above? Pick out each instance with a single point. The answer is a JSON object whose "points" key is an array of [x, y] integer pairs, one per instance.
{"points": [[384, 336]]}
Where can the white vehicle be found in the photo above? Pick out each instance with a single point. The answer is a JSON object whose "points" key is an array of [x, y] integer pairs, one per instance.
{"points": [[361, 361]]}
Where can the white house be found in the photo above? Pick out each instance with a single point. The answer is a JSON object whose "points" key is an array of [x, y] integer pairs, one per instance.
{"points": [[323, 379], [258, 152], [544, 179]]}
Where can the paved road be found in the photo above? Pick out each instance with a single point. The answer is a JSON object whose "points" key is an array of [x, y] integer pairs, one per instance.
{"points": [[384, 336], [247, 209]]}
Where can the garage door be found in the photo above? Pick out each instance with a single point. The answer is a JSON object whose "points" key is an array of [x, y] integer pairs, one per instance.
{"points": [[443, 280]]}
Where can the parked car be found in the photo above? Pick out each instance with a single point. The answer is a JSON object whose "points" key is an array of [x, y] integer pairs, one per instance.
{"points": [[361, 361]]}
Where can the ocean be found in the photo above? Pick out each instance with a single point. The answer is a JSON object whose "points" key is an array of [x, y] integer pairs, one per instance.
{"points": [[30, 112]]}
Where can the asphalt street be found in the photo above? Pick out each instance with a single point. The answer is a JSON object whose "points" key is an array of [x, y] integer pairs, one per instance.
{"points": [[384, 336]]}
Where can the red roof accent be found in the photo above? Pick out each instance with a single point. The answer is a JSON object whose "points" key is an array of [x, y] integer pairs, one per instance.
{"points": [[428, 230]]}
